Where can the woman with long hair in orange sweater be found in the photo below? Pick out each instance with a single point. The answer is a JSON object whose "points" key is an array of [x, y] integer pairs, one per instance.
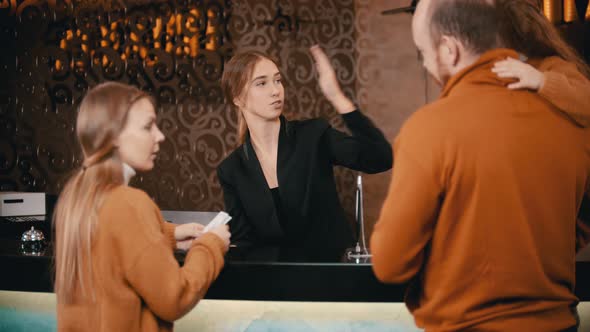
{"points": [[115, 267]]}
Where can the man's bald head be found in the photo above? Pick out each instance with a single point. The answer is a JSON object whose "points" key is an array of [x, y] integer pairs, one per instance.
{"points": [[451, 34], [473, 22]]}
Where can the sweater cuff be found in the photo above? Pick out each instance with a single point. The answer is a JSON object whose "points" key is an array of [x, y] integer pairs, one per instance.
{"points": [[211, 240], [168, 228], [553, 85]]}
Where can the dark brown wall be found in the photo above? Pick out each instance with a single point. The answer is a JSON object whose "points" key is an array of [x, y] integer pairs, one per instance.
{"points": [[391, 83]]}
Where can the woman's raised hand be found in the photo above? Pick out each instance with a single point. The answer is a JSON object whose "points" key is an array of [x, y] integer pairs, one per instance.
{"points": [[329, 83]]}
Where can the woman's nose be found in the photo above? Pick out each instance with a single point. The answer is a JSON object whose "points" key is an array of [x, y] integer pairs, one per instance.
{"points": [[275, 90], [159, 135]]}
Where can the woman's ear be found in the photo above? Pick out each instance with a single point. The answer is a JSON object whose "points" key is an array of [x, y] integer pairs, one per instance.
{"points": [[238, 102]]}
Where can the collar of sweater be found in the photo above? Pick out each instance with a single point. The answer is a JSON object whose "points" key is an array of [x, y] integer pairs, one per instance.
{"points": [[480, 72], [128, 173]]}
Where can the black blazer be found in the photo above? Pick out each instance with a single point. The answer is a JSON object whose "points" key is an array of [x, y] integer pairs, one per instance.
{"points": [[314, 221]]}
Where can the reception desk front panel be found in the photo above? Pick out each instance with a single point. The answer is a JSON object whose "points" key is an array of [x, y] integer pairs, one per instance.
{"points": [[241, 279]]}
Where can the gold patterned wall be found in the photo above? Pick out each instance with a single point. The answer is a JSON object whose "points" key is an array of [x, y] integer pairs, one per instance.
{"points": [[54, 50]]}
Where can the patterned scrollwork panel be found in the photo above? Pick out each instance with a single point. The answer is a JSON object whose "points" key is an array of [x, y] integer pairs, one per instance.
{"points": [[175, 50]]}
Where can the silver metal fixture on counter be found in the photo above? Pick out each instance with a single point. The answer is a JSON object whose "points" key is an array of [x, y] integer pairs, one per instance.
{"points": [[360, 253]]}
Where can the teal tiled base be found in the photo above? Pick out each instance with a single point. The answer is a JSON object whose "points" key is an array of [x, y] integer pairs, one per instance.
{"points": [[286, 325], [12, 320]]}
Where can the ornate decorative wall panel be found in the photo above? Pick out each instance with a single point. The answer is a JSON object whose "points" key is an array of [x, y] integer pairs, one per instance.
{"points": [[173, 49], [53, 51]]}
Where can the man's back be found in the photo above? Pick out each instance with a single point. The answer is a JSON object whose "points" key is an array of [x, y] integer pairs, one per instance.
{"points": [[486, 188]]}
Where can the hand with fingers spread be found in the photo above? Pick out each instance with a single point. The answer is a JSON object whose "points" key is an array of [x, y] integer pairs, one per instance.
{"points": [[329, 83], [186, 233], [527, 76]]}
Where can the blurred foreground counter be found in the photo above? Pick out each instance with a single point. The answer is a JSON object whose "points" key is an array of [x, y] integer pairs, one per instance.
{"points": [[259, 289]]}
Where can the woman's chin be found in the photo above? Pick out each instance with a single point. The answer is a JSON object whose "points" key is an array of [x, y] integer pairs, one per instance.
{"points": [[275, 113], [148, 166]]}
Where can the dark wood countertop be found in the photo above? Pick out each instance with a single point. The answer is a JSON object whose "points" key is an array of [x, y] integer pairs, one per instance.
{"points": [[262, 279]]}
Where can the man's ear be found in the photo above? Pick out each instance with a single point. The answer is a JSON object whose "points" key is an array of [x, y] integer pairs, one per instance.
{"points": [[450, 49]]}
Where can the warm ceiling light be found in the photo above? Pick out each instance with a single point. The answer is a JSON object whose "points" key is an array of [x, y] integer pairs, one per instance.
{"points": [[553, 10], [569, 11]]}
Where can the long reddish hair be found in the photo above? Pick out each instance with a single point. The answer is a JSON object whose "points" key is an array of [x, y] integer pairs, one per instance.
{"points": [[101, 118], [525, 29]]}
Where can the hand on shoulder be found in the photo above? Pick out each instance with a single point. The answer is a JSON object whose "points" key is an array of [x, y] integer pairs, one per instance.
{"points": [[526, 76]]}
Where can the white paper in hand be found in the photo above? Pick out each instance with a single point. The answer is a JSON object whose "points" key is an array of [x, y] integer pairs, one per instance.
{"points": [[221, 218]]}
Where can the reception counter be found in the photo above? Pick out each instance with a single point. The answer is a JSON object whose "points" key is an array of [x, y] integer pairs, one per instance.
{"points": [[260, 278], [259, 289], [239, 280], [261, 274]]}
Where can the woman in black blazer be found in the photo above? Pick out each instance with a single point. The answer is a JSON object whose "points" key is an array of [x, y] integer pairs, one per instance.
{"points": [[279, 184]]}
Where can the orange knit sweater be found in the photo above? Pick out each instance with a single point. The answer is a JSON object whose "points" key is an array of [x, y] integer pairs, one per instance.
{"points": [[138, 283], [481, 211], [565, 87]]}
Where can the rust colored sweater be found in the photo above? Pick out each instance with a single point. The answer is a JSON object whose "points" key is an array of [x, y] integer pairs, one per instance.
{"points": [[481, 211], [139, 284], [565, 87]]}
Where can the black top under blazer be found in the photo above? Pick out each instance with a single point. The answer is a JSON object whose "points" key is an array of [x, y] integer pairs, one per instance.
{"points": [[313, 219]]}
